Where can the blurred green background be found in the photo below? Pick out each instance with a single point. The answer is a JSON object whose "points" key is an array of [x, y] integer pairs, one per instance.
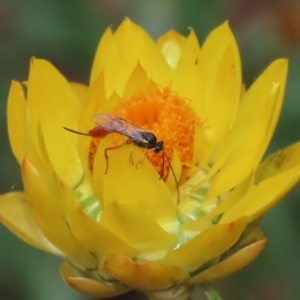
{"points": [[66, 32]]}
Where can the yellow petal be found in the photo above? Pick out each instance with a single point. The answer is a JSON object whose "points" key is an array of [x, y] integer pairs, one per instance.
{"points": [[200, 174], [144, 275], [170, 45], [17, 217], [118, 54], [138, 82], [15, 117], [99, 168], [205, 221], [209, 244], [80, 90], [46, 88], [279, 162], [88, 286], [136, 228], [94, 236], [151, 195], [219, 46], [233, 264], [48, 204], [251, 133], [177, 167], [225, 95], [232, 199], [108, 60], [145, 52], [231, 175], [186, 80], [264, 98], [93, 103], [262, 197]]}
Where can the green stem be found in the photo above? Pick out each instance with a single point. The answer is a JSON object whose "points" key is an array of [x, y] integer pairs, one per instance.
{"points": [[210, 293]]}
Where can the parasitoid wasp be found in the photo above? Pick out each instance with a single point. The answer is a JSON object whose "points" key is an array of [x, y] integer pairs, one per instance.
{"points": [[109, 123]]}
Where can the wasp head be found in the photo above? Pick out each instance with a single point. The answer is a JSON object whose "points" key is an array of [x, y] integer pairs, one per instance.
{"points": [[159, 146]]}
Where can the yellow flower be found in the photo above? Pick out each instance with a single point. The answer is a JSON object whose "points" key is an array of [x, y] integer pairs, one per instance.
{"points": [[127, 229]]}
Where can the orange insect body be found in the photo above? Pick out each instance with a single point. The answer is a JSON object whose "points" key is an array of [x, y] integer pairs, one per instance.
{"points": [[98, 132]]}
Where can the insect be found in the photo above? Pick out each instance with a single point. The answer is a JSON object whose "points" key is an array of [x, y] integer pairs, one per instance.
{"points": [[109, 123]]}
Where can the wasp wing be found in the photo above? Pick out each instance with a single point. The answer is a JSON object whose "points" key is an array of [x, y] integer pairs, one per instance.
{"points": [[113, 123]]}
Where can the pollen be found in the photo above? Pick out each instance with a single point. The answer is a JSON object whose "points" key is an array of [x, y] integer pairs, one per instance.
{"points": [[169, 117]]}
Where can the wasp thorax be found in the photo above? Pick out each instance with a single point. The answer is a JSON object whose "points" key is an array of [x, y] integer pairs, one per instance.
{"points": [[148, 140]]}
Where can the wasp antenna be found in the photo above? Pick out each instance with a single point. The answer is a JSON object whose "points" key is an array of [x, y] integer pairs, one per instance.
{"points": [[163, 167], [173, 173], [74, 131]]}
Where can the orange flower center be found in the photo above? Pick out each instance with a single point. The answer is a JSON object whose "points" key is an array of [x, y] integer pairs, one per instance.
{"points": [[168, 117]]}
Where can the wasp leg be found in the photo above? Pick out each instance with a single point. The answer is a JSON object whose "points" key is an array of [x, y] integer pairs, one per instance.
{"points": [[127, 142], [142, 159], [130, 156]]}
